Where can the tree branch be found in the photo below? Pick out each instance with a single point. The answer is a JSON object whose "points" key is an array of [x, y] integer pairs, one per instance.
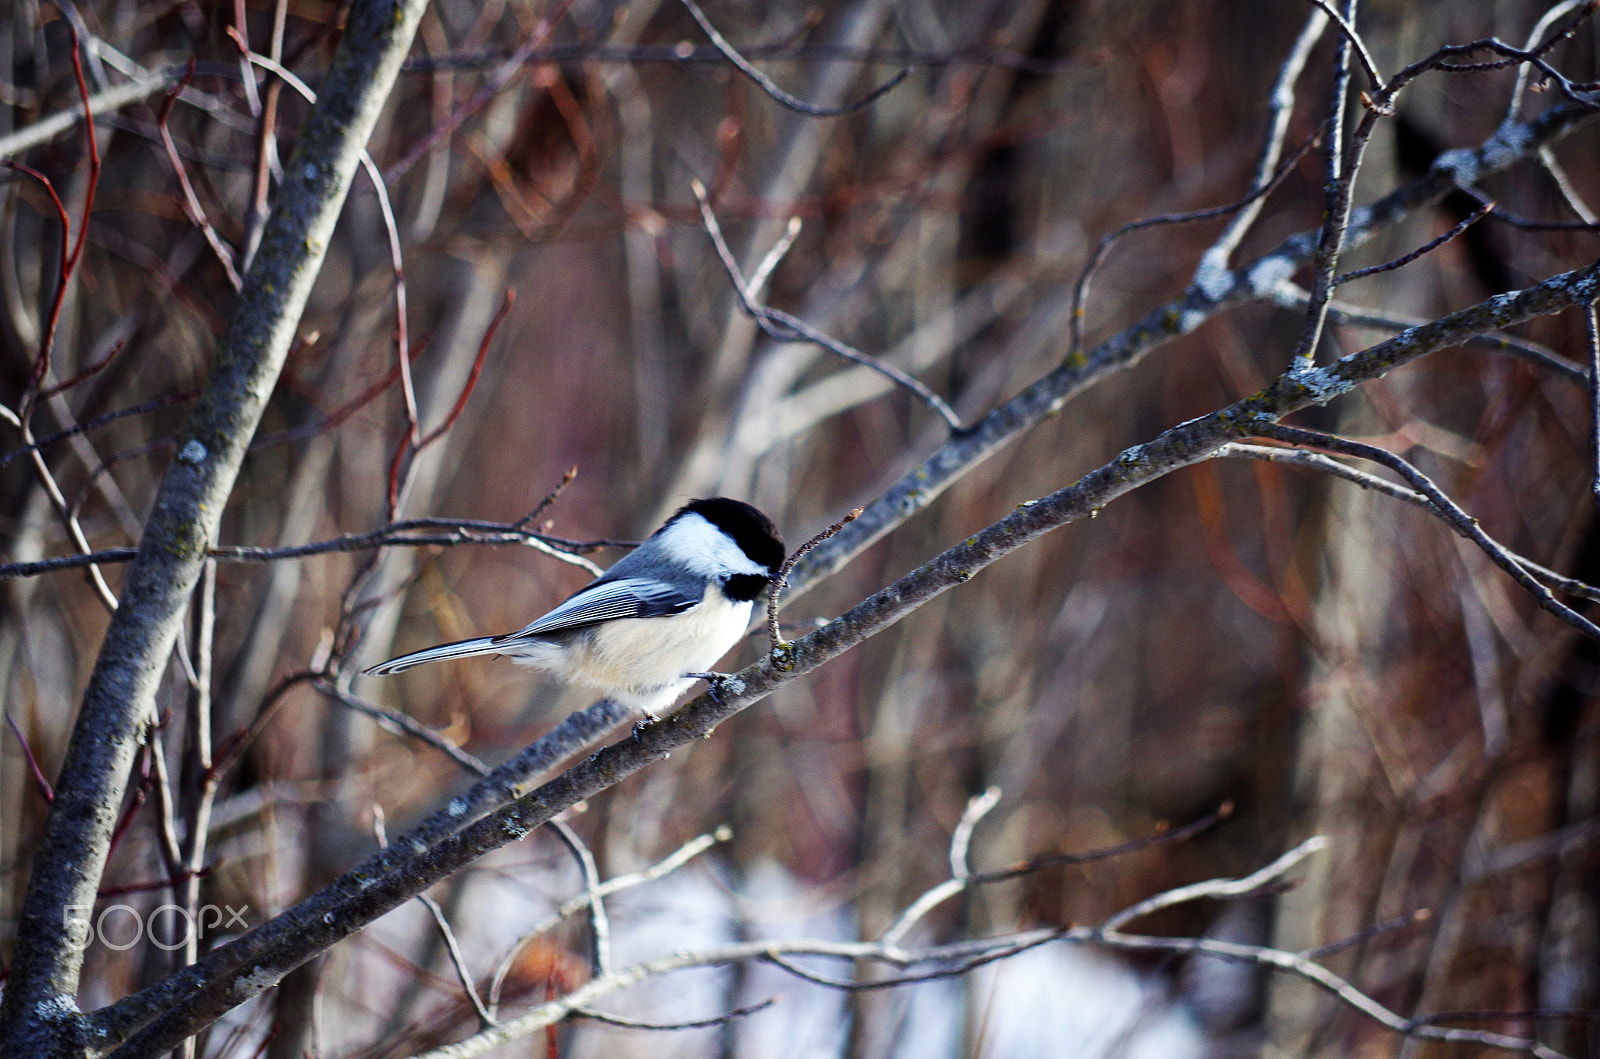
{"points": [[37, 1016]]}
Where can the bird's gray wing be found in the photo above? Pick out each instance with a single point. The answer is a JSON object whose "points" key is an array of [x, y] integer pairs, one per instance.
{"points": [[626, 597]]}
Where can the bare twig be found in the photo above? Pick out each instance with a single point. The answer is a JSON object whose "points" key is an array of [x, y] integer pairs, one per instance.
{"points": [[191, 201], [978, 807], [1346, 993], [452, 946], [457, 959], [199, 817], [668, 864], [599, 922], [1328, 465], [1525, 72], [103, 102], [781, 581], [1338, 180], [87, 425], [690, 1024], [1444, 507], [1212, 268], [1405, 259], [785, 327], [505, 70], [962, 881], [406, 533], [770, 87], [412, 444], [39, 780], [400, 724], [1280, 109], [1388, 926], [1217, 888], [1374, 79], [1591, 328]]}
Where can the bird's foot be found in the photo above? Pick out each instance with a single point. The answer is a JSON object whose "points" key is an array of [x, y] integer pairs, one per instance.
{"points": [[714, 684]]}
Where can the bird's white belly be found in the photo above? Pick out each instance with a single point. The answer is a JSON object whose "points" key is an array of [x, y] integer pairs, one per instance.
{"points": [[641, 662]]}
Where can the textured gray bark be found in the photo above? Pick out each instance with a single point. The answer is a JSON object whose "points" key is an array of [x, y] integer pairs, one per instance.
{"points": [[39, 1016]]}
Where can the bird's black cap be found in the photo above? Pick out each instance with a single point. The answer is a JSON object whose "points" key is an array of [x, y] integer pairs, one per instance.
{"points": [[751, 530]]}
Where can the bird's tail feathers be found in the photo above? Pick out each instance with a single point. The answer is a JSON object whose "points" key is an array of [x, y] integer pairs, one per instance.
{"points": [[483, 645]]}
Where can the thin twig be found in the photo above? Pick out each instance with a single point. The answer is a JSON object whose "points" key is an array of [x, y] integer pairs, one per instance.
{"points": [[784, 327], [1446, 509], [1591, 327], [1389, 266], [758, 278], [191, 201], [1342, 990], [770, 87], [103, 102], [781, 581], [1529, 224], [402, 534], [960, 882], [978, 807], [668, 864], [690, 1024], [599, 922], [452, 946], [1525, 71], [546, 501], [232, 749], [1280, 110], [1338, 180], [204, 774], [1217, 888], [400, 724], [1373, 77], [38, 444], [503, 74], [1212, 268], [39, 779], [1388, 926], [85, 374], [1162, 836], [418, 445], [1328, 465]]}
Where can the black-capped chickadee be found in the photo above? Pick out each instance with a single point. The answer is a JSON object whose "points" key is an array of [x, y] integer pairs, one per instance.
{"points": [[668, 609]]}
